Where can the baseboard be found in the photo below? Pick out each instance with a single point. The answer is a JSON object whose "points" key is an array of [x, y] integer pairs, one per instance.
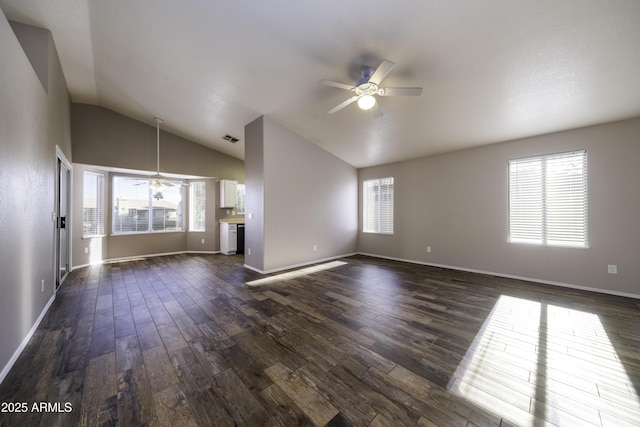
{"points": [[508, 276], [112, 260], [25, 341], [302, 264]]}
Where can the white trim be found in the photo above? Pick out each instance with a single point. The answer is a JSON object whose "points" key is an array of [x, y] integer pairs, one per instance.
{"points": [[25, 341], [508, 276], [302, 264], [56, 238], [111, 260]]}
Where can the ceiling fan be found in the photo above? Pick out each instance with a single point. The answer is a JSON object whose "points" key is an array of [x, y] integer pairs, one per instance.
{"points": [[369, 85], [158, 181]]}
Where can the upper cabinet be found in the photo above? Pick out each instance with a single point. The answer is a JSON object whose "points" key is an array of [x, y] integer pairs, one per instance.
{"points": [[228, 193]]}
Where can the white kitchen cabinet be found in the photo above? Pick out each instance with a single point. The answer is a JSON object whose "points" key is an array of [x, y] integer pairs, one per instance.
{"points": [[228, 193], [228, 238]]}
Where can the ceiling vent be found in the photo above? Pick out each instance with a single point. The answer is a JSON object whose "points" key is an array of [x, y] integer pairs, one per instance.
{"points": [[230, 138]]}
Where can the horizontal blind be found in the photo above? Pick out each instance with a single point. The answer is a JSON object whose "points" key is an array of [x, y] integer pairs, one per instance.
{"points": [[385, 216], [566, 201], [197, 204], [378, 205], [525, 201], [548, 200], [92, 204]]}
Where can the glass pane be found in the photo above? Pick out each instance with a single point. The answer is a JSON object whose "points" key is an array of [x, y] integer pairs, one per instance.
{"points": [[166, 203], [130, 205], [197, 204], [92, 218]]}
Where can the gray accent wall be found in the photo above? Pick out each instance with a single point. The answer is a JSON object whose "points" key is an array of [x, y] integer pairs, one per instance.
{"points": [[303, 200], [457, 203], [103, 140], [34, 119]]}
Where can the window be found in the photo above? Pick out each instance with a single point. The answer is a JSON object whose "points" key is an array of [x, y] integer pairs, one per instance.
{"points": [[241, 196], [548, 200], [141, 208], [197, 206], [92, 201], [377, 205]]}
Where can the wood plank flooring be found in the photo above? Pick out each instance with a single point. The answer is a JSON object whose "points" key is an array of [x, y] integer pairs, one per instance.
{"points": [[197, 340]]}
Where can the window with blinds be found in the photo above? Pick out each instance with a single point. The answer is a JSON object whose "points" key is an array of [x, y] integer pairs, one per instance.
{"points": [[548, 200], [197, 206], [92, 201], [377, 205], [240, 205], [141, 208]]}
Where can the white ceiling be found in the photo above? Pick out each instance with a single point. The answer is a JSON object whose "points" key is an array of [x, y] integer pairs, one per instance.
{"points": [[492, 70]]}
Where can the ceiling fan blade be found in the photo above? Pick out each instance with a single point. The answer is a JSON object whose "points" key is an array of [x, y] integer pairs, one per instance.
{"points": [[382, 71], [401, 91], [336, 84], [343, 104], [167, 184]]}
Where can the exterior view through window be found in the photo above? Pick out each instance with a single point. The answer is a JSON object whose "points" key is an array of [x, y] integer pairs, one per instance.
{"points": [[141, 208]]}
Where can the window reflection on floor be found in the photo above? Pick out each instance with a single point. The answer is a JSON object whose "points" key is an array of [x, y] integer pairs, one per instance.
{"points": [[534, 362], [296, 273]]}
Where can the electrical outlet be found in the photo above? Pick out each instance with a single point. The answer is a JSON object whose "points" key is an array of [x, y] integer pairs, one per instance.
{"points": [[315, 248], [86, 250], [612, 269], [429, 249], [203, 241], [248, 251]]}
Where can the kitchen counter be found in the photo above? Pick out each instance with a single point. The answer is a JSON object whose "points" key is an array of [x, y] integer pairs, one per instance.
{"points": [[232, 220]]}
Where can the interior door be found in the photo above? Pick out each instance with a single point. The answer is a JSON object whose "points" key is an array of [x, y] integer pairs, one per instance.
{"points": [[63, 225]]}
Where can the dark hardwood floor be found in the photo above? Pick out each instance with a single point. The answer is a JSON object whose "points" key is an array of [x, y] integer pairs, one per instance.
{"points": [[199, 340]]}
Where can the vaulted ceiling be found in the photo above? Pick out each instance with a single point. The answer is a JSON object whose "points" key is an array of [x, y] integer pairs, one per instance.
{"points": [[492, 70]]}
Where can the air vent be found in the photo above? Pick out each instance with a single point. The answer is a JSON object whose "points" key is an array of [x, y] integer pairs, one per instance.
{"points": [[230, 138]]}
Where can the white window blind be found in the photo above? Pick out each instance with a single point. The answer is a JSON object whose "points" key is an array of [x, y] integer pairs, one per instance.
{"points": [[92, 204], [548, 200], [141, 208], [197, 206], [240, 206], [377, 205]]}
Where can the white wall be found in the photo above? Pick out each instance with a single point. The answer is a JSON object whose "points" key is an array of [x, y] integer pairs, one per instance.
{"points": [[457, 203], [308, 197], [34, 118]]}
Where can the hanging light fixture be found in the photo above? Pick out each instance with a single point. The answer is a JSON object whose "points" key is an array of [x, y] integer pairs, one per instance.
{"points": [[158, 181], [366, 102]]}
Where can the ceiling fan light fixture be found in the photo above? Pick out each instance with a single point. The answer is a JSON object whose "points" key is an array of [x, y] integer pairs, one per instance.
{"points": [[366, 102]]}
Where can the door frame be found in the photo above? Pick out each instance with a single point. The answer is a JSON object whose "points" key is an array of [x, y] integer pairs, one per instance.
{"points": [[62, 159]]}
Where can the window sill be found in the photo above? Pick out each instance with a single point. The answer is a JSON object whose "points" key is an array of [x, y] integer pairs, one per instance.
{"points": [[148, 233], [542, 245]]}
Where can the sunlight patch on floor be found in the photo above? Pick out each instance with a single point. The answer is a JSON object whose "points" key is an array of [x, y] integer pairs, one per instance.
{"points": [[535, 363], [296, 273]]}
